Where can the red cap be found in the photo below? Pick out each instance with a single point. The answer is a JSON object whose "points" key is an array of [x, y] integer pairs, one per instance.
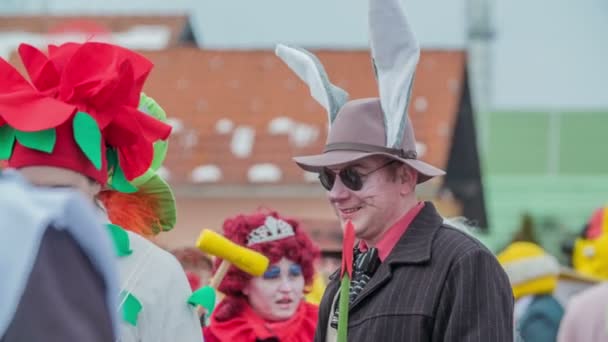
{"points": [[81, 107]]}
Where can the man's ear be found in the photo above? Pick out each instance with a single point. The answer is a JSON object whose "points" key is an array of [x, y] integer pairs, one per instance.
{"points": [[408, 177]]}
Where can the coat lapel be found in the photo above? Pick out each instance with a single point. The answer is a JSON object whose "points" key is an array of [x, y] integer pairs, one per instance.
{"points": [[414, 247]]}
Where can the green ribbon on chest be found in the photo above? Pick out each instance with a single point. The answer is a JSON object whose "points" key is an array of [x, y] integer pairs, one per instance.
{"points": [[130, 305], [120, 238]]}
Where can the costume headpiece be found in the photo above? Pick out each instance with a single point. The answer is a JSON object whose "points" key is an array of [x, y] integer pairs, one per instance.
{"points": [[147, 207], [590, 254], [80, 112], [272, 229], [366, 127]]}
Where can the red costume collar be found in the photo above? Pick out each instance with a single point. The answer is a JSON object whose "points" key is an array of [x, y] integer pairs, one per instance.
{"points": [[394, 233], [248, 326]]}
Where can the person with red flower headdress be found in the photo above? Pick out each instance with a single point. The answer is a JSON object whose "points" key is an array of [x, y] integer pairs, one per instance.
{"points": [[78, 125], [270, 307], [147, 210]]}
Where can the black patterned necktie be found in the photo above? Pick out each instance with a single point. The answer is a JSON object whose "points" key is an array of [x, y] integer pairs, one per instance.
{"points": [[365, 265]]}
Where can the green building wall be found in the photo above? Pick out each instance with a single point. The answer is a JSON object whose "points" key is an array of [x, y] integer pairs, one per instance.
{"points": [[550, 165]]}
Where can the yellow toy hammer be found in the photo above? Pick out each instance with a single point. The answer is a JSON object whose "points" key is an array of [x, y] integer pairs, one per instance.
{"points": [[241, 257]]}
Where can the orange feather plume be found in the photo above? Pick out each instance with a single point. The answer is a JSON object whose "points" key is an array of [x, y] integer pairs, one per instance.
{"points": [[135, 212]]}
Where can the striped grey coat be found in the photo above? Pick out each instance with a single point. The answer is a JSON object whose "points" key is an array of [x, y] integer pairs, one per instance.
{"points": [[437, 284]]}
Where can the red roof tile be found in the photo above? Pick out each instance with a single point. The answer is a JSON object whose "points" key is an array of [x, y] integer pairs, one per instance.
{"points": [[94, 24]]}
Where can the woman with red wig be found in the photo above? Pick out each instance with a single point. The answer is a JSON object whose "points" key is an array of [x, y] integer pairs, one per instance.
{"points": [[270, 307]]}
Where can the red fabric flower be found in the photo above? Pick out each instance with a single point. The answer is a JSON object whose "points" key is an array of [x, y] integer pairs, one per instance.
{"points": [[103, 80], [347, 250], [26, 109]]}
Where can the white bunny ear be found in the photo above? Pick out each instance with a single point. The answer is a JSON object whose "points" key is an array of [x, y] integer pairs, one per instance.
{"points": [[395, 54], [311, 71]]}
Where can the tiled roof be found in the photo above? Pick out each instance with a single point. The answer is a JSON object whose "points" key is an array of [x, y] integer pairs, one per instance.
{"points": [[222, 101], [95, 24]]}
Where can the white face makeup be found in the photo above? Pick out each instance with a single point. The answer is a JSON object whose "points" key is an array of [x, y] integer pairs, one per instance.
{"points": [[276, 295]]}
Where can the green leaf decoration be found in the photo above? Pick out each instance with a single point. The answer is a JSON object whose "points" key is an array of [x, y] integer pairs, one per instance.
{"points": [[7, 141], [205, 297], [112, 158], [42, 140], [120, 237], [130, 308], [118, 181], [343, 309], [149, 106], [88, 137]]}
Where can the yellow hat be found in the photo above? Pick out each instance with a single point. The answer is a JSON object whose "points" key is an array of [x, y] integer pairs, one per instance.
{"points": [[530, 269], [316, 289]]}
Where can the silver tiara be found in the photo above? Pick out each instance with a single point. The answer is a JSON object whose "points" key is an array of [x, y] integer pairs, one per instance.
{"points": [[273, 229]]}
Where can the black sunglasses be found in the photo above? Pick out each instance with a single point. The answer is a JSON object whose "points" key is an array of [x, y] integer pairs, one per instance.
{"points": [[350, 177]]}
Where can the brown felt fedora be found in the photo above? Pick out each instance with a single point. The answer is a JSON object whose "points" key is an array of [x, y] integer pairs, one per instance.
{"points": [[358, 132]]}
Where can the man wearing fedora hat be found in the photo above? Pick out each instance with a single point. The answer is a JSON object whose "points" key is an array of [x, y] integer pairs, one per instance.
{"points": [[415, 278]]}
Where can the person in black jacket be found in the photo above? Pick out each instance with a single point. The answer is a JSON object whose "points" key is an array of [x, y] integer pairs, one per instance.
{"points": [[414, 278]]}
